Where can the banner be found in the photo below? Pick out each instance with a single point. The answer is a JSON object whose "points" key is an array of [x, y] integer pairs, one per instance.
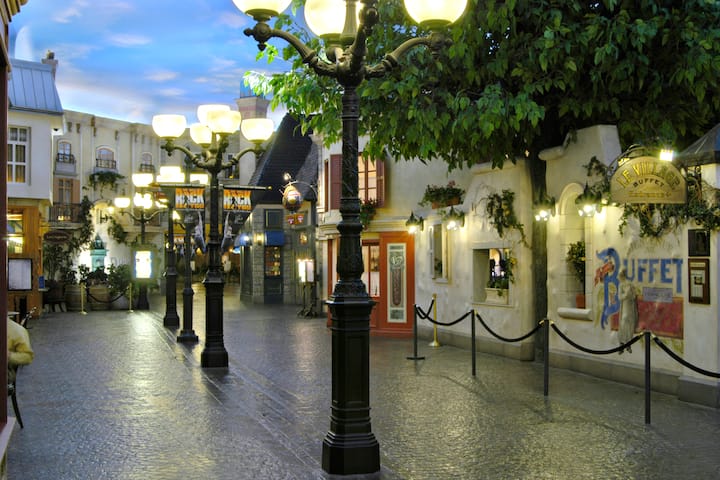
{"points": [[237, 199], [190, 198]]}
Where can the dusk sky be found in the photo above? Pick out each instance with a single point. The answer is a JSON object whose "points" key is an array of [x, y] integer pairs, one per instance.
{"points": [[131, 59]]}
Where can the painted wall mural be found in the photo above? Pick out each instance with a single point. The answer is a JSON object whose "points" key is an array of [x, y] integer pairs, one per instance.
{"points": [[658, 282]]}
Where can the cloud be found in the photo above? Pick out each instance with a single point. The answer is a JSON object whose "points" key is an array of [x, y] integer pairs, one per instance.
{"points": [[24, 45], [162, 76], [67, 15], [128, 40], [171, 92]]}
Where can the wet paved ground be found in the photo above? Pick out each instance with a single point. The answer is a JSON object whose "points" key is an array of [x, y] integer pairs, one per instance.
{"points": [[112, 395]]}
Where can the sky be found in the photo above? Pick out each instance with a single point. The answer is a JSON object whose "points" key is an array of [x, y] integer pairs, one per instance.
{"points": [[132, 59]]}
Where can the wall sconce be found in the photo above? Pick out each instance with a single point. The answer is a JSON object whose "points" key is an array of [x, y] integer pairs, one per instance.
{"points": [[454, 218], [588, 203], [544, 209], [258, 239], [414, 224]]}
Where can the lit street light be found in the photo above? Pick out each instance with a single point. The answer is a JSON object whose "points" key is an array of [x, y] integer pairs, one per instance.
{"points": [[350, 446], [144, 202], [217, 123]]}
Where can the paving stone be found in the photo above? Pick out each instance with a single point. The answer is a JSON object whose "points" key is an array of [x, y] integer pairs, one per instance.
{"points": [[112, 395]]}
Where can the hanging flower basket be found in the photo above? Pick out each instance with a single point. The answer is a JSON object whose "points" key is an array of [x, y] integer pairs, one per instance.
{"points": [[439, 197]]}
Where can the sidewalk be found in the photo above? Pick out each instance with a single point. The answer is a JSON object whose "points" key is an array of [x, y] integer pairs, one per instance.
{"points": [[112, 395]]}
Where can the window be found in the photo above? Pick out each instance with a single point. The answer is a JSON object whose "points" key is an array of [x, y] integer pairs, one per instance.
{"points": [[64, 152], [18, 143], [146, 163], [371, 181], [64, 192], [105, 158], [491, 269], [371, 274], [15, 233], [439, 252]]}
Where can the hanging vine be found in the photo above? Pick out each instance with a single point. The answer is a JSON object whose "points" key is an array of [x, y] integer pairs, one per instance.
{"points": [[500, 208], [655, 220]]}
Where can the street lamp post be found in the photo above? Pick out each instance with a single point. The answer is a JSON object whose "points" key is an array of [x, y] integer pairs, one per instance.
{"points": [[217, 122], [168, 176], [144, 202], [350, 446]]}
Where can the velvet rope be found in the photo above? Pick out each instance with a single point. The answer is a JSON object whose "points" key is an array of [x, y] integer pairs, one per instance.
{"points": [[683, 361], [595, 352], [451, 323], [532, 332]]}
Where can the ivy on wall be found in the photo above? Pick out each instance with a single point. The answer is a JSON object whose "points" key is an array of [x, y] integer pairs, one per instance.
{"points": [[655, 220]]}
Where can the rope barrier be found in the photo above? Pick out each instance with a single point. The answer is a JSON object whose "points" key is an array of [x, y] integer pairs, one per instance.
{"points": [[545, 321], [98, 300], [450, 324], [504, 339], [424, 314], [589, 350], [684, 362]]}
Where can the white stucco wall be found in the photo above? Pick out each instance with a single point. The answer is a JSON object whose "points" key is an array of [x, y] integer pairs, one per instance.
{"points": [[39, 176], [654, 265]]}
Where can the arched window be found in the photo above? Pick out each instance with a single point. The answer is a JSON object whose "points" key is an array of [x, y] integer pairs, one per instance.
{"points": [[146, 163], [105, 158], [64, 152]]}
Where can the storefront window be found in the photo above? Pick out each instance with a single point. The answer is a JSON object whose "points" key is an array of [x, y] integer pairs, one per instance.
{"points": [[15, 233]]}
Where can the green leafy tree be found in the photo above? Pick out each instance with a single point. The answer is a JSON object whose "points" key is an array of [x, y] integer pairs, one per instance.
{"points": [[520, 75]]}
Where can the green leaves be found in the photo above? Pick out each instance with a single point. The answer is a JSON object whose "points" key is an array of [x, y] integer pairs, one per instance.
{"points": [[520, 74]]}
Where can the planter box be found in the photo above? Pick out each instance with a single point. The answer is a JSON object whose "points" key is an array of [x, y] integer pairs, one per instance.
{"points": [[497, 296], [452, 201]]}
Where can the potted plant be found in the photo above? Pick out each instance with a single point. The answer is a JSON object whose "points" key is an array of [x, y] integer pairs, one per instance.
{"points": [[576, 260], [497, 286], [119, 279], [368, 208], [439, 196]]}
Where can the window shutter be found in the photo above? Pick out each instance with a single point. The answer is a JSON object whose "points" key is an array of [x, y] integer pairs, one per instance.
{"points": [[380, 169], [335, 181]]}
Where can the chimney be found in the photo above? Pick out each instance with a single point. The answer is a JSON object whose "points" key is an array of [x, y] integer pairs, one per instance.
{"points": [[50, 60]]}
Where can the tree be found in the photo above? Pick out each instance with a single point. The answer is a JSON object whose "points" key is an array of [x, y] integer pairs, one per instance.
{"points": [[522, 74]]}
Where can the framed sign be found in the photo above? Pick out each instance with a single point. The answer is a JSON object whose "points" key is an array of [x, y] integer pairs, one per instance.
{"points": [[698, 243], [19, 274], [699, 284]]}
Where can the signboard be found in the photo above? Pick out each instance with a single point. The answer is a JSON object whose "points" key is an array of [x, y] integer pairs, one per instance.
{"points": [[56, 236], [143, 264], [190, 198], [647, 180], [236, 199]]}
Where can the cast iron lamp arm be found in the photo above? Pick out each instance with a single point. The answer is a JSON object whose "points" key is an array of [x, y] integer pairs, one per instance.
{"points": [[436, 41], [207, 160], [142, 217], [257, 149]]}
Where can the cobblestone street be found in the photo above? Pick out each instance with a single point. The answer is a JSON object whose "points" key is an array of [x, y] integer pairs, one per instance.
{"points": [[112, 395]]}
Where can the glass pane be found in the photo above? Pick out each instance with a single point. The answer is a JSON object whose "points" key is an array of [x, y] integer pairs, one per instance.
{"points": [[19, 153], [14, 223], [13, 135], [23, 134], [20, 174]]}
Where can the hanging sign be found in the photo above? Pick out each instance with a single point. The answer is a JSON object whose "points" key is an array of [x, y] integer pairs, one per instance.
{"points": [[647, 180], [296, 218], [190, 198], [237, 199]]}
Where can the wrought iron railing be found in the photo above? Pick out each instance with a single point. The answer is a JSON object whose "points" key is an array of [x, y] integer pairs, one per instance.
{"points": [[66, 213]]}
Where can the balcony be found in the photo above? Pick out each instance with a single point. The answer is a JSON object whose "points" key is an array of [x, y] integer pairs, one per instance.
{"points": [[65, 158], [65, 163], [146, 168], [66, 215], [105, 164]]}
